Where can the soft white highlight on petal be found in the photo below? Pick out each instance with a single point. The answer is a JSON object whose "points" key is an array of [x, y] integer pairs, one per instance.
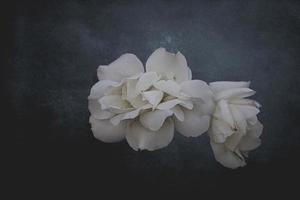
{"points": [[225, 112], [98, 90], [113, 101], [153, 120], [129, 115], [95, 110], [138, 101], [140, 138], [154, 97], [170, 87], [105, 131], [178, 112], [247, 111], [220, 130], [131, 91], [196, 89], [167, 105], [234, 93], [168, 65], [225, 85], [193, 125], [225, 157], [125, 66], [146, 81]]}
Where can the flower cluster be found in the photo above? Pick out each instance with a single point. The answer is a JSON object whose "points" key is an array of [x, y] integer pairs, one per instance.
{"points": [[145, 105]]}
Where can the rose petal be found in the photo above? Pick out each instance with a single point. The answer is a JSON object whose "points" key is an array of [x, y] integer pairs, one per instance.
{"points": [[146, 81], [240, 121], [205, 107], [178, 112], [154, 97], [196, 89], [129, 115], [169, 87], [131, 91], [137, 101], [247, 111], [234, 93], [125, 66], [225, 112], [251, 141], [141, 138], [167, 105], [225, 85], [103, 130], [113, 101], [193, 124], [220, 130], [98, 90], [168, 65], [233, 141], [256, 130], [95, 110], [226, 157], [153, 120], [248, 102]]}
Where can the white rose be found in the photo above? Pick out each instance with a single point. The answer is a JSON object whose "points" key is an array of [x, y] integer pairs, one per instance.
{"points": [[234, 129], [145, 106]]}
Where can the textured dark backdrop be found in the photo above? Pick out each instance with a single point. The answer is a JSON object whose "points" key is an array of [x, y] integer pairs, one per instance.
{"points": [[52, 51]]}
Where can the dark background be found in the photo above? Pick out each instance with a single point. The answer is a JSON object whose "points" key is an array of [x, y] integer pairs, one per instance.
{"points": [[51, 53]]}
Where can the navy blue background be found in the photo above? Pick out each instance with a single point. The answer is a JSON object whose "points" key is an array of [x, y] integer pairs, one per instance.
{"points": [[51, 53]]}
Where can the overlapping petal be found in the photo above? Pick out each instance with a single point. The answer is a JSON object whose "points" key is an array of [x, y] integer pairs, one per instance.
{"points": [[141, 138], [170, 66], [125, 66]]}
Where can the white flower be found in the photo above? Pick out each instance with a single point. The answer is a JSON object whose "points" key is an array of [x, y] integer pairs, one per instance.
{"points": [[145, 106], [234, 129]]}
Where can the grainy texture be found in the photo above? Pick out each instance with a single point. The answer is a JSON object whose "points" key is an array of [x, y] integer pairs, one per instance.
{"points": [[52, 57]]}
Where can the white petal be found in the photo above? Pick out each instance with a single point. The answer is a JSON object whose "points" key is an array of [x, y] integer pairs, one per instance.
{"points": [[141, 138], [125, 66], [251, 141], [225, 85], [247, 111], [153, 120], [137, 101], [240, 122], [226, 157], [233, 141], [248, 102], [220, 130], [205, 107], [168, 65], [234, 93], [225, 112], [146, 81], [95, 109], [167, 105], [154, 97], [129, 115], [98, 90], [193, 124], [256, 130], [103, 130], [187, 104], [178, 112], [169, 87], [131, 89], [114, 101], [196, 89]]}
